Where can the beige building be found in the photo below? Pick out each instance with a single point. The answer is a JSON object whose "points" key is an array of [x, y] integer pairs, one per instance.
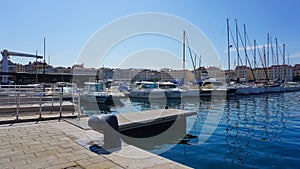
{"points": [[281, 73], [169, 74], [244, 72]]}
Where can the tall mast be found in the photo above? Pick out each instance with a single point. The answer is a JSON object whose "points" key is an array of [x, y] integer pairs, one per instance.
{"points": [[183, 54], [265, 61], [254, 54], [265, 68], [246, 55], [228, 44], [200, 61], [283, 53], [277, 59], [245, 47], [268, 49], [272, 52], [237, 42], [283, 62]]}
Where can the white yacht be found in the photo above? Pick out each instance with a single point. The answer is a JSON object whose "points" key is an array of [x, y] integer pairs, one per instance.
{"points": [[146, 89], [213, 87], [94, 92], [171, 90]]}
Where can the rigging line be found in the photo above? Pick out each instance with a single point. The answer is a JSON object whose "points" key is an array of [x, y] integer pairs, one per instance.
{"points": [[249, 44], [272, 51], [235, 45], [288, 56], [280, 51], [264, 66], [187, 41], [246, 55], [261, 60]]}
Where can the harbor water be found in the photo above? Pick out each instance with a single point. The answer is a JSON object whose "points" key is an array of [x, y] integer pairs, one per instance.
{"points": [[257, 131]]}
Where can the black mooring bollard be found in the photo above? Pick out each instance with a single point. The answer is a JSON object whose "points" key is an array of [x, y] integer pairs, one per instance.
{"points": [[108, 123]]}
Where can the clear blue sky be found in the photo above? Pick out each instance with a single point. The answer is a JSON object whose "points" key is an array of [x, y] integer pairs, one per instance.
{"points": [[68, 24]]}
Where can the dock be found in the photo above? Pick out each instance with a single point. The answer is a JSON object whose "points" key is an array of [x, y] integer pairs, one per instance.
{"points": [[136, 120], [64, 144], [146, 129]]}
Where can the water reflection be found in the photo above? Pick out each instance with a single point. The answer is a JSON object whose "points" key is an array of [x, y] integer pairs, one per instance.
{"points": [[258, 131], [255, 132], [252, 125]]}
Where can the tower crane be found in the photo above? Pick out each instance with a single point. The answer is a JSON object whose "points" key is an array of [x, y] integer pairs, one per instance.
{"points": [[5, 56]]}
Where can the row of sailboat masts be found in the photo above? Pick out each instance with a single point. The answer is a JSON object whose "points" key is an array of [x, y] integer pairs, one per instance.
{"points": [[264, 61]]}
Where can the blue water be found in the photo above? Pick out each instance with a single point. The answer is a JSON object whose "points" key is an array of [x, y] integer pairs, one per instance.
{"points": [[259, 131]]}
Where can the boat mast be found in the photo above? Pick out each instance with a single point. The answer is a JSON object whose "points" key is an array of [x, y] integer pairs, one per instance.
{"points": [[183, 54], [200, 61], [277, 59], [237, 42], [245, 47], [283, 53], [283, 62], [254, 54], [228, 44], [237, 48], [265, 61], [268, 49], [265, 68], [246, 54]]}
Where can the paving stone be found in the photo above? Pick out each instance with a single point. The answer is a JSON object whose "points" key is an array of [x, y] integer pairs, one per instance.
{"points": [[64, 155], [84, 162], [77, 157], [45, 153], [22, 157], [63, 165], [14, 164], [4, 160], [41, 159], [57, 161], [97, 159]]}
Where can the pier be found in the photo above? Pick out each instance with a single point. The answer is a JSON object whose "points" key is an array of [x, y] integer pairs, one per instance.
{"points": [[64, 144], [56, 145]]}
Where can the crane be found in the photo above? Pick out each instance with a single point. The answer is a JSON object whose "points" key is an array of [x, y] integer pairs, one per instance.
{"points": [[5, 56]]}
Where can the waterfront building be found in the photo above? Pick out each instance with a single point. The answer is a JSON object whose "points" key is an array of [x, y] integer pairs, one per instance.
{"points": [[169, 75], [201, 73], [215, 72], [282, 73], [296, 72], [80, 69], [261, 73]]}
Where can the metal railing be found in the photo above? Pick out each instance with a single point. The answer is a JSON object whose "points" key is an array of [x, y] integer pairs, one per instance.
{"points": [[20, 105]]}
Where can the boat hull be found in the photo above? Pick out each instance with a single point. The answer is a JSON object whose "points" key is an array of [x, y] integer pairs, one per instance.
{"points": [[243, 91]]}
